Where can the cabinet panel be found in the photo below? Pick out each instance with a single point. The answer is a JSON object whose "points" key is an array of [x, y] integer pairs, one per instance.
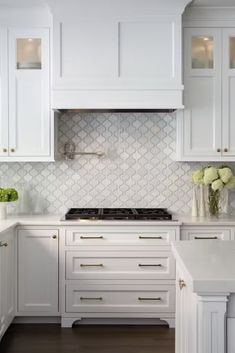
{"points": [[29, 92], [200, 124], [94, 52], [139, 50], [3, 93], [228, 146], [202, 121], [117, 54], [7, 281], [38, 271]]}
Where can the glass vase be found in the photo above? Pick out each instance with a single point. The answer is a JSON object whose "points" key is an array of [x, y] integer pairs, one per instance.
{"points": [[213, 201]]}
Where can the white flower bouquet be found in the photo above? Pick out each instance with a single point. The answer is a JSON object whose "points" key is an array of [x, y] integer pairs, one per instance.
{"points": [[216, 179]]}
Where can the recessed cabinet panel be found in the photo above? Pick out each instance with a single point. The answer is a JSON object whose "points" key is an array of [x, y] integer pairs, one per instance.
{"points": [[232, 52], [3, 93], [38, 271], [202, 52], [28, 51], [89, 50], [201, 119], [228, 66], [30, 116], [7, 280], [146, 50]]}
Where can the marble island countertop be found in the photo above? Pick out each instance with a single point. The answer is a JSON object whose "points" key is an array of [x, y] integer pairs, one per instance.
{"points": [[209, 265]]}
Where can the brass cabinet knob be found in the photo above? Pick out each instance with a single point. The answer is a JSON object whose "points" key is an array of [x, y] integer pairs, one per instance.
{"points": [[54, 236], [12, 150], [4, 150], [226, 150], [218, 150], [182, 284]]}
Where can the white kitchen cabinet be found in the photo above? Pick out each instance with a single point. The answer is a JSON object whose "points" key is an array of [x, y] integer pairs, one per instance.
{"points": [[114, 57], [205, 127], [25, 118], [117, 271], [38, 272], [205, 233], [7, 280]]}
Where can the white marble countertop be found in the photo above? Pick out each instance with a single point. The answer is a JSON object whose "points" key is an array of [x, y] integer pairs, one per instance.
{"points": [[222, 220], [208, 264], [56, 220]]}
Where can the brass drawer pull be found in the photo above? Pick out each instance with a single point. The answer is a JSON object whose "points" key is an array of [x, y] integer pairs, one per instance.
{"points": [[202, 238], [182, 284], [91, 265], [3, 244], [141, 237], [86, 298], [146, 299], [82, 237], [150, 265]]}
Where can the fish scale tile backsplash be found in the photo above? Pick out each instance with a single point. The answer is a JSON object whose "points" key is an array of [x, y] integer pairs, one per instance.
{"points": [[138, 169]]}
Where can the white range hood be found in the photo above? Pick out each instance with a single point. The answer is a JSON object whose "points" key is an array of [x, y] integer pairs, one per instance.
{"points": [[117, 54]]}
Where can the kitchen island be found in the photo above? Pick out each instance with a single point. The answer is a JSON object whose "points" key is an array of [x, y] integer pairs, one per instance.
{"points": [[205, 305]]}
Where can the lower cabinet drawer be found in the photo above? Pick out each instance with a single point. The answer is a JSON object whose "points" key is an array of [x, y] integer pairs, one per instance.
{"points": [[135, 236], [120, 265], [124, 298], [205, 234]]}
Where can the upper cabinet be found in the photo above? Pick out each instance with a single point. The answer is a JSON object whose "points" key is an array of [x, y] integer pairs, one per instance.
{"points": [[206, 126], [26, 119], [124, 55]]}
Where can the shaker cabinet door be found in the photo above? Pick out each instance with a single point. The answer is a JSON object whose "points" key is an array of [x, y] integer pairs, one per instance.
{"points": [[7, 281], [200, 122], [3, 94], [228, 131], [29, 92], [38, 271]]}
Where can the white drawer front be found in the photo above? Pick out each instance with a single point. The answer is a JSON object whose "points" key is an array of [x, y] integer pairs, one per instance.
{"points": [[205, 234], [133, 298], [120, 265], [161, 236]]}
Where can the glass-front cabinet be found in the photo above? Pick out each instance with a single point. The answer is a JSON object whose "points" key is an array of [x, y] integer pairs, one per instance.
{"points": [[202, 52], [206, 126], [29, 53], [25, 111]]}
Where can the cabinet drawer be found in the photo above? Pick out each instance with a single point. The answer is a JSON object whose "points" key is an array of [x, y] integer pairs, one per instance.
{"points": [[138, 237], [204, 234], [123, 298], [118, 265]]}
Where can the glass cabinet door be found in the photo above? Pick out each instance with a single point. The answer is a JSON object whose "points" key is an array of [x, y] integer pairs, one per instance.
{"points": [[28, 53], [202, 52]]}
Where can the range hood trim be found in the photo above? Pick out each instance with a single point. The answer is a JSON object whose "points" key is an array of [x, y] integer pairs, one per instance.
{"points": [[77, 111]]}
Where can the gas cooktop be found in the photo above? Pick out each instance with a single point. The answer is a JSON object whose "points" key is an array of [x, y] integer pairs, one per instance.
{"points": [[144, 214]]}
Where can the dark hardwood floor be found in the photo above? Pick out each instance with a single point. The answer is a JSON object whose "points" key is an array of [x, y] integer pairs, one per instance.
{"points": [[87, 339]]}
